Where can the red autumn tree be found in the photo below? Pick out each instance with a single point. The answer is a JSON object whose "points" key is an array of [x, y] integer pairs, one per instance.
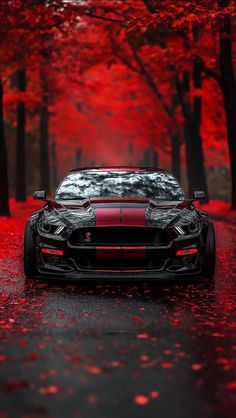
{"points": [[195, 43]]}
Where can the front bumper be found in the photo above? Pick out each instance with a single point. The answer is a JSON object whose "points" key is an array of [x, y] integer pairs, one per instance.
{"points": [[135, 263], [166, 271]]}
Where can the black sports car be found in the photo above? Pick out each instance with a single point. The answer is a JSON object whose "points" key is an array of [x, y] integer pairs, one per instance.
{"points": [[119, 222]]}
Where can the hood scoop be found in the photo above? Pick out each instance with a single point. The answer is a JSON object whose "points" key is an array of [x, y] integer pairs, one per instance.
{"points": [[167, 216], [72, 215], [73, 204]]}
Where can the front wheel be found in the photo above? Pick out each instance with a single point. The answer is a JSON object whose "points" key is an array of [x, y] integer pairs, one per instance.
{"points": [[29, 254], [209, 263]]}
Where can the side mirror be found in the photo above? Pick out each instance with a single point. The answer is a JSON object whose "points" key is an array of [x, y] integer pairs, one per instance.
{"points": [[40, 195], [199, 195]]}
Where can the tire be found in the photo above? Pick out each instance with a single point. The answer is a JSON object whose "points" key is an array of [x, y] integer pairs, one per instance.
{"points": [[209, 263], [29, 255]]}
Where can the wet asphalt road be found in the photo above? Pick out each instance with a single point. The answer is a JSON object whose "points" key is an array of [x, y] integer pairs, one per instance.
{"points": [[117, 350]]}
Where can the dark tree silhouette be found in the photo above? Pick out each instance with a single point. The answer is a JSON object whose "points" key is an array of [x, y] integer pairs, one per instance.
{"points": [[4, 192], [228, 86], [20, 140], [44, 167]]}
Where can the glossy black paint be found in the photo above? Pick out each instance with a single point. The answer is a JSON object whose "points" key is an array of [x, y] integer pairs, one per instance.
{"points": [[183, 225]]}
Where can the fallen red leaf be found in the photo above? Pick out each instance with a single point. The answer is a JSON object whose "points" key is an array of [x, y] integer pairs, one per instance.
{"points": [[141, 400]]}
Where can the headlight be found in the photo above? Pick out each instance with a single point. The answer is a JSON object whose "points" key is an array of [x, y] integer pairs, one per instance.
{"points": [[180, 230], [194, 227], [50, 228], [189, 229], [55, 231]]}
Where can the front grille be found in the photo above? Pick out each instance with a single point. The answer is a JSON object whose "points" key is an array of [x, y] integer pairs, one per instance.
{"points": [[119, 236], [148, 260]]}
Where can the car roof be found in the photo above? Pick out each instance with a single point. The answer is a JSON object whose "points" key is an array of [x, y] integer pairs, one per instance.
{"points": [[123, 167]]}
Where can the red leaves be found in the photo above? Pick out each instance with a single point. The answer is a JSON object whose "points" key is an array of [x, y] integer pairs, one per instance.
{"points": [[33, 356], [175, 323], [2, 358], [144, 358], [92, 399], [93, 370], [162, 348], [49, 390], [117, 364], [154, 394], [217, 335], [138, 319], [23, 343], [143, 335], [16, 385], [143, 400], [231, 385], [166, 365], [196, 366]]}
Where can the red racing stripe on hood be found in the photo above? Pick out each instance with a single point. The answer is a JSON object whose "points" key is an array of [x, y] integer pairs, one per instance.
{"points": [[108, 216], [133, 217], [120, 216]]}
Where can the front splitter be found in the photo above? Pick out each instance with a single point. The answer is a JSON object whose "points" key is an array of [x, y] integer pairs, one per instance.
{"points": [[120, 275]]}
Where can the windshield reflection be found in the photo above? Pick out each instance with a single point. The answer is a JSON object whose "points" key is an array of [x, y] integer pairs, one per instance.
{"points": [[158, 185]]}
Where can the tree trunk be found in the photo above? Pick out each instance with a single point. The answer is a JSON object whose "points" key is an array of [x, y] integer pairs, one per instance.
{"points": [[175, 155], [54, 165], [20, 141], [155, 159], [4, 193], [147, 158], [192, 128], [200, 174], [194, 157], [43, 139], [78, 158], [189, 151], [228, 86]]}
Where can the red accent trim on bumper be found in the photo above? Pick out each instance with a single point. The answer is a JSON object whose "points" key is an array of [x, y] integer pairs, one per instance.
{"points": [[120, 271], [133, 252], [188, 251], [108, 252], [120, 252], [52, 251]]}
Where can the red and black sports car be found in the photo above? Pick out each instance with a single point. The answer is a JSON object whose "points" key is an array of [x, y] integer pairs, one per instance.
{"points": [[119, 222]]}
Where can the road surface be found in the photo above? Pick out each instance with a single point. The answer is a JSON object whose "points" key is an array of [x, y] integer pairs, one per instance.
{"points": [[116, 350]]}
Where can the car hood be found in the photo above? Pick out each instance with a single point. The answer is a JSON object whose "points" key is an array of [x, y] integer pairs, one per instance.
{"points": [[121, 212]]}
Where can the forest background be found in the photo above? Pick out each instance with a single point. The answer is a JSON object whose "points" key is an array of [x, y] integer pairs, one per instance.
{"points": [[117, 82]]}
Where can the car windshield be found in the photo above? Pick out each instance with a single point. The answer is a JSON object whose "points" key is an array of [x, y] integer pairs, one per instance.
{"points": [[157, 185]]}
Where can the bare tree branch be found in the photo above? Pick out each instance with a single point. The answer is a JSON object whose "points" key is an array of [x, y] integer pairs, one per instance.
{"points": [[120, 55], [213, 74], [150, 6], [104, 18], [151, 82]]}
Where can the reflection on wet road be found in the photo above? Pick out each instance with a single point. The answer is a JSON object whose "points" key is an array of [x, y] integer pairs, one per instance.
{"points": [[116, 350]]}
